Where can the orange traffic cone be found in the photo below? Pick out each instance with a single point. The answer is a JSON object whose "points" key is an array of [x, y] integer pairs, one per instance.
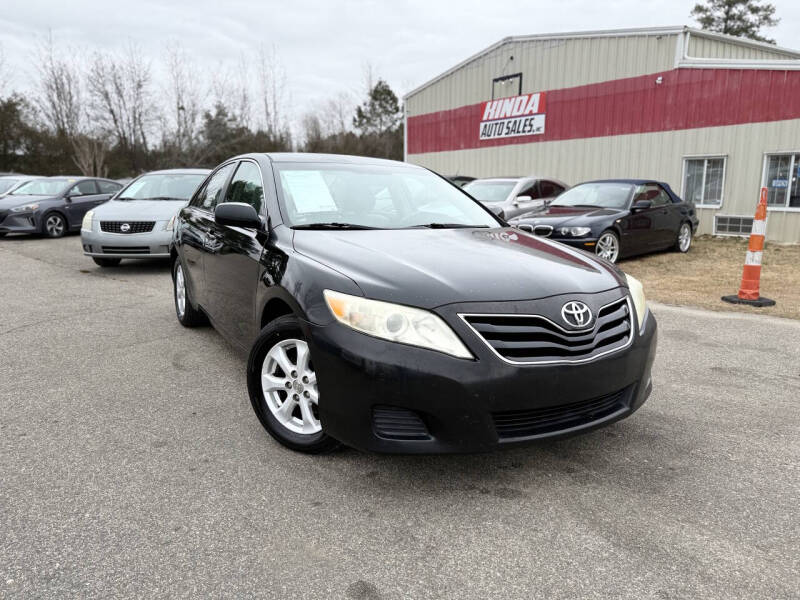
{"points": [[751, 273]]}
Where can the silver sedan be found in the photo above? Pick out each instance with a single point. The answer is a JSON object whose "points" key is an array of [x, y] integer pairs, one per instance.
{"points": [[508, 197], [137, 221]]}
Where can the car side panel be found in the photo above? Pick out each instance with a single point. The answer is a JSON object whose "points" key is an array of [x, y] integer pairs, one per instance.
{"points": [[192, 238]]}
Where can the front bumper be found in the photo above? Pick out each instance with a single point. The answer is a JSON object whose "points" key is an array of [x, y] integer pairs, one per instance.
{"points": [[153, 244], [463, 403], [11, 222]]}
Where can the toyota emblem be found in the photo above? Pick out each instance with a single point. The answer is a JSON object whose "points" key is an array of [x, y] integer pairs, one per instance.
{"points": [[576, 314], [125, 227]]}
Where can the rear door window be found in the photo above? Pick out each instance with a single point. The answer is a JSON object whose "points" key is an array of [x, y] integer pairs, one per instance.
{"points": [[84, 188], [108, 187]]}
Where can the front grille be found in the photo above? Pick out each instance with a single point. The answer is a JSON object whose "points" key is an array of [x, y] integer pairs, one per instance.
{"points": [[394, 423], [543, 230], [537, 421], [531, 339], [126, 249], [135, 226]]}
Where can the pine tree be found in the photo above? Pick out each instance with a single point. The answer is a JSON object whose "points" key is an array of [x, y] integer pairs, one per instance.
{"points": [[741, 18], [380, 113]]}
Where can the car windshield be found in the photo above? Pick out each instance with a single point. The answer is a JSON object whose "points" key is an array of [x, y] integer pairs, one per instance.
{"points": [[43, 187], [345, 196], [489, 191], [162, 186], [7, 184], [601, 195]]}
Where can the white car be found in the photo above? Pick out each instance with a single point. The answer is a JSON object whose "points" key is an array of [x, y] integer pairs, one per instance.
{"points": [[137, 221], [508, 197]]}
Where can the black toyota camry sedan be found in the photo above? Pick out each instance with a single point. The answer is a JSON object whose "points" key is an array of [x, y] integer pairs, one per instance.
{"points": [[53, 206], [616, 218], [385, 309]]}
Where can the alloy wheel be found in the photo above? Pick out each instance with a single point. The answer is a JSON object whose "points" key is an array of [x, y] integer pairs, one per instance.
{"points": [[54, 226], [607, 247], [290, 389], [180, 291], [684, 237]]}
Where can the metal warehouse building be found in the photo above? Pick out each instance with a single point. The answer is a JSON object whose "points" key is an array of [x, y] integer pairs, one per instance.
{"points": [[716, 117]]}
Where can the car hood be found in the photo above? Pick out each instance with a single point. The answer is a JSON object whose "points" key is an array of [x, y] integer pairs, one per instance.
{"points": [[139, 210], [430, 268], [7, 202], [569, 215]]}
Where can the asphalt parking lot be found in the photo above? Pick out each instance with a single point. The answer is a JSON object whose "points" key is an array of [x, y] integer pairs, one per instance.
{"points": [[131, 464]]}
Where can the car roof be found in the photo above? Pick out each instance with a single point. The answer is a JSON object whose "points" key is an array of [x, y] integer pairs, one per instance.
{"points": [[186, 171], [310, 157], [631, 181]]}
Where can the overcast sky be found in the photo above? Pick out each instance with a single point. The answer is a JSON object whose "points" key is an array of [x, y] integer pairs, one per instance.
{"points": [[325, 45]]}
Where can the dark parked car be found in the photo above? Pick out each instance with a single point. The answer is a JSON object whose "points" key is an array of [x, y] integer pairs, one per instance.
{"points": [[53, 206], [616, 218], [509, 197], [378, 319]]}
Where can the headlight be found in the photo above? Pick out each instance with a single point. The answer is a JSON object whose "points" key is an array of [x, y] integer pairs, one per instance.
{"points": [[170, 224], [25, 208], [574, 231], [637, 293], [86, 224], [395, 323]]}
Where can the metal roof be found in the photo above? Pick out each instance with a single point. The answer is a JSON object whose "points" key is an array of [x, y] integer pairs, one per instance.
{"points": [[792, 56]]}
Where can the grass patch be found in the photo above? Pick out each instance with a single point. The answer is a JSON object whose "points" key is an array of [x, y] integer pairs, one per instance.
{"points": [[713, 268]]}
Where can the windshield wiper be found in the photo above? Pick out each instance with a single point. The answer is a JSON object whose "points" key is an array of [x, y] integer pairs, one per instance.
{"points": [[447, 226], [333, 225]]}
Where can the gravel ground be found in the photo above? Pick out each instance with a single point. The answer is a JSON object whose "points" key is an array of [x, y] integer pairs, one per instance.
{"points": [[131, 465]]}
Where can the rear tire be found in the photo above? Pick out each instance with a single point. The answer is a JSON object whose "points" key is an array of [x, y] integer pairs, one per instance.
{"points": [[684, 240], [54, 225], [283, 389], [106, 262], [188, 316]]}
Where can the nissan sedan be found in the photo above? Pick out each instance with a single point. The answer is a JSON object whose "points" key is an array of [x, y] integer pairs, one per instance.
{"points": [[378, 319], [137, 222]]}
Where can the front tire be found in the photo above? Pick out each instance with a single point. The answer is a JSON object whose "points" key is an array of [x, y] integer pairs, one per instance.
{"points": [[283, 388], [54, 225], [188, 316], [106, 262], [607, 246], [684, 240]]}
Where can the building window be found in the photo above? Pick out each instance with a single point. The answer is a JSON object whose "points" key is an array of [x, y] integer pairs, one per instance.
{"points": [[506, 86], [782, 180], [704, 180]]}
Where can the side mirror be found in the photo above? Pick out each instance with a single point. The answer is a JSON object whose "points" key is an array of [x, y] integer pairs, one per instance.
{"points": [[523, 198], [641, 205], [237, 214], [525, 227]]}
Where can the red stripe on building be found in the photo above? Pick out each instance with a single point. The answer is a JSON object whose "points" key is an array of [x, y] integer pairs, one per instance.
{"points": [[686, 99]]}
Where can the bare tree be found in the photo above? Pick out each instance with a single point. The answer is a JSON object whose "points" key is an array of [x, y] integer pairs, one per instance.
{"points": [[272, 80], [61, 103], [119, 87], [184, 104], [60, 98]]}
